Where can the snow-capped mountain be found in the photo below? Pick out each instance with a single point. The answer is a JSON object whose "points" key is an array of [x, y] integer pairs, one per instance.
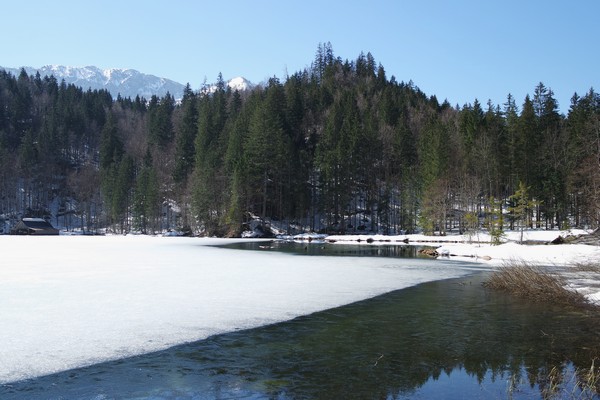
{"points": [[126, 82], [241, 84]]}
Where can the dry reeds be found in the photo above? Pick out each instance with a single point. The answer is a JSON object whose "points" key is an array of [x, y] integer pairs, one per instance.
{"points": [[541, 284], [588, 267], [567, 383], [535, 283], [588, 381]]}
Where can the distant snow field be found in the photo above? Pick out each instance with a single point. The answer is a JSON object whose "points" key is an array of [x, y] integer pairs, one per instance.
{"points": [[71, 301]]}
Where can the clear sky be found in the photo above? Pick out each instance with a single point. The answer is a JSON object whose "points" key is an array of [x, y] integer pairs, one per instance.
{"points": [[458, 50]]}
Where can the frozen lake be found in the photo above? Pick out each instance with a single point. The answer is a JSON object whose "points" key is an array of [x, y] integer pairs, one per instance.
{"points": [[69, 301], [172, 318]]}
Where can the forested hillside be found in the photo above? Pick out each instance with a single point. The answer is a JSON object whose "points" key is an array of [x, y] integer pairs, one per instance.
{"points": [[339, 146]]}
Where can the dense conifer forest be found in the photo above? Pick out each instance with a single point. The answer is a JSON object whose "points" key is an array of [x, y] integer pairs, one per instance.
{"points": [[338, 147]]}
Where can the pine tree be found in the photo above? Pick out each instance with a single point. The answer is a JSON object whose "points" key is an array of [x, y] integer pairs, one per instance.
{"points": [[323, 58], [264, 154], [495, 221], [120, 195], [159, 120], [520, 207], [527, 143], [432, 151], [235, 167], [146, 201], [583, 129], [22, 109], [332, 158], [470, 126], [184, 148], [209, 182], [111, 147], [511, 121]]}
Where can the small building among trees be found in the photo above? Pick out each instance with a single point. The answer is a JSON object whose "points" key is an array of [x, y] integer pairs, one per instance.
{"points": [[34, 226]]}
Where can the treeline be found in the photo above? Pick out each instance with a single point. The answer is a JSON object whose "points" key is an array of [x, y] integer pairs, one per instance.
{"points": [[338, 146]]}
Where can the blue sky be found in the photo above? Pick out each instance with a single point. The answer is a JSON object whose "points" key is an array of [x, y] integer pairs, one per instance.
{"points": [[457, 50]]}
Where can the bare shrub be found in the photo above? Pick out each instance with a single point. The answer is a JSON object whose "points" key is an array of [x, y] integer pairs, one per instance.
{"points": [[536, 283]]}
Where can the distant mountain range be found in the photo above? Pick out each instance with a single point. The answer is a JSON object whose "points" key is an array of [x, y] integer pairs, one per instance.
{"points": [[126, 82]]}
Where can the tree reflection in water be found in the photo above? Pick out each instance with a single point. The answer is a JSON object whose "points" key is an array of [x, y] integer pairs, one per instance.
{"points": [[396, 344]]}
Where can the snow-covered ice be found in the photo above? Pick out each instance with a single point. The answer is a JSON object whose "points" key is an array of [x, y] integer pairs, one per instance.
{"points": [[70, 301]]}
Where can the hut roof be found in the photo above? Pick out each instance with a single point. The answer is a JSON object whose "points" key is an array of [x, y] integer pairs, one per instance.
{"points": [[34, 226]]}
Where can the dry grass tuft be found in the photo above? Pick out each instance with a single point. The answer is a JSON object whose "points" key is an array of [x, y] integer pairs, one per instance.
{"points": [[588, 381], [565, 383], [535, 283]]}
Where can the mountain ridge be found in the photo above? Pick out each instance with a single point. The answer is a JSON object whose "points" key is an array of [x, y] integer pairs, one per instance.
{"points": [[125, 82]]}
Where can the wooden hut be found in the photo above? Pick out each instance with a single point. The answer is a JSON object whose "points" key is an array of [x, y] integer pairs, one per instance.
{"points": [[34, 226]]}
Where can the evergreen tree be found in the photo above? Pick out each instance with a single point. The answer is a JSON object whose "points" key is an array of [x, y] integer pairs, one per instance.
{"points": [[511, 123], [470, 126], [432, 151], [123, 175], [21, 107], [235, 167], [265, 152], [520, 207], [28, 154], [111, 147], [527, 141], [210, 183], [582, 127], [323, 58], [159, 120], [495, 221], [184, 150], [435, 207], [146, 201]]}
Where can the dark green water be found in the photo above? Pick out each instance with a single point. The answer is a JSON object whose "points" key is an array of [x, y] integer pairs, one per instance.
{"points": [[329, 249], [448, 339]]}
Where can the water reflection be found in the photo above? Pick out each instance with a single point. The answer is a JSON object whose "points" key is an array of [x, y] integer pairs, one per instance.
{"points": [[447, 339], [329, 249]]}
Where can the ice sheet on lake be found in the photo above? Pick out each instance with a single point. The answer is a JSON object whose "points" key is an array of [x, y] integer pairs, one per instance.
{"points": [[67, 302]]}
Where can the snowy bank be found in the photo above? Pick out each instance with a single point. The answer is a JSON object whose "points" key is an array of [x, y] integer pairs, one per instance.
{"points": [[71, 301], [541, 253], [476, 237], [563, 255], [477, 248]]}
